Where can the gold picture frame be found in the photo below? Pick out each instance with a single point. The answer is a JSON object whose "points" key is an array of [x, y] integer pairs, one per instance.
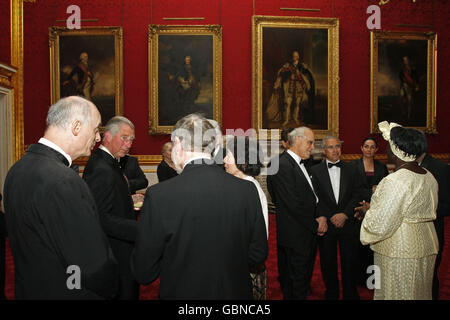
{"points": [[178, 87], [403, 79], [100, 78], [275, 40]]}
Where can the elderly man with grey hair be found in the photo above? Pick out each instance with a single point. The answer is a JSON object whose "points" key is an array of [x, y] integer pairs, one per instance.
{"points": [[298, 221], [111, 192], [337, 186], [59, 248], [200, 245]]}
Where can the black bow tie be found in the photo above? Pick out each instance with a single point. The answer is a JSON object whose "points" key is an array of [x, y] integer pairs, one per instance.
{"points": [[337, 164], [302, 161]]}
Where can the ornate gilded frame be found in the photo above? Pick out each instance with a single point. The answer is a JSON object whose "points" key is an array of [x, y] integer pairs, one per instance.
{"points": [[330, 24], [182, 30], [431, 38], [54, 37]]}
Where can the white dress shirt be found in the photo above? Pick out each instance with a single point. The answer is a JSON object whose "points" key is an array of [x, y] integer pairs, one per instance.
{"points": [[335, 177], [55, 147], [107, 151], [302, 167]]}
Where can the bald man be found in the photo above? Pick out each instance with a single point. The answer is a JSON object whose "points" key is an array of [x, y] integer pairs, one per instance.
{"points": [[59, 248]]}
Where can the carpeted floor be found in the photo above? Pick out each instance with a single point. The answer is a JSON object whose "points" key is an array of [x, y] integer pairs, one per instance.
{"points": [[273, 291]]}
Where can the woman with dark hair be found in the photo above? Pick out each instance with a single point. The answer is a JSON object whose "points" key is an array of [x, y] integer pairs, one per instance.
{"points": [[243, 160], [370, 173], [398, 222]]}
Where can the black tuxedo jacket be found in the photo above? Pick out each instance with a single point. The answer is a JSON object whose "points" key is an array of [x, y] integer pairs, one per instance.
{"points": [[115, 205], [348, 192], [380, 171], [53, 223], [200, 232], [133, 172], [441, 173], [295, 203]]}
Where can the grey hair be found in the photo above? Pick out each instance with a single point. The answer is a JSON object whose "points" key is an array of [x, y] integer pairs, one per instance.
{"points": [[113, 125], [216, 127], [297, 132], [66, 110], [195, 133], [324, 140]]}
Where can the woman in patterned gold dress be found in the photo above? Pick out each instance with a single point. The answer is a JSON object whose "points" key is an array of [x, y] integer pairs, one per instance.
{"points": [[398, 223]]}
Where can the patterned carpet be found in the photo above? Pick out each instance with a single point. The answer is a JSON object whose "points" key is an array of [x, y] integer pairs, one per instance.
{"points": [[273, 291]]}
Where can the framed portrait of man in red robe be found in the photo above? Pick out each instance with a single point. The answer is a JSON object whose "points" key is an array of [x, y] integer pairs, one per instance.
{"points": [[295, 73]]}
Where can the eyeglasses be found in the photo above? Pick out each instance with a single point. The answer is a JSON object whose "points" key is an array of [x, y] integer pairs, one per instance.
{"points": [[127, 139]]}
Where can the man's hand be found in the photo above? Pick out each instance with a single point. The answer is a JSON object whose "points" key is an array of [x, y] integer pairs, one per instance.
{"points": [[339, 219], [374, 187], [323, 226], [361, 211]]}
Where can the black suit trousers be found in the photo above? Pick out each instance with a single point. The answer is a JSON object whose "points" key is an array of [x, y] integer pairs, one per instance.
{"points": [[128, 287], [295, 268], [328, 261]]}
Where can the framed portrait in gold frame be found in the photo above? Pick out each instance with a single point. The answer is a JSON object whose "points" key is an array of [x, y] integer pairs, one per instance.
{"points": [[185, 74], [88, 62], [403, 79], [295, 73]]}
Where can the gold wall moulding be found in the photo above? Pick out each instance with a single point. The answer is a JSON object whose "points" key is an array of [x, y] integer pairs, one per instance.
{"points": [[183, 18], [300, 9], [6, 73]]}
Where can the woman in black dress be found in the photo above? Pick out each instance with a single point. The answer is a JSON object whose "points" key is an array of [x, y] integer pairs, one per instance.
{"points": [[370, 172]]}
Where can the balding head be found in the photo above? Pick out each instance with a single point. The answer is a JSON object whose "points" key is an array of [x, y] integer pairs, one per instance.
{"points": [[301, 141], [64, 111], [73, 124]]}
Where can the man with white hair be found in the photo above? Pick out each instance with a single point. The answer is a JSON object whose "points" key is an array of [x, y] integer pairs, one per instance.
{"points": [[200, 245], [111, 192], [298, 222], [52, 220]]}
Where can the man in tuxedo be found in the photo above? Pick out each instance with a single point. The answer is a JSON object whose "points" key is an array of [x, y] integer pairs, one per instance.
{"points": [[51, 216], [111, 192], [298, 224], [337, 188], [441, 171], [135, 176], [165, 169], [201, 245]]}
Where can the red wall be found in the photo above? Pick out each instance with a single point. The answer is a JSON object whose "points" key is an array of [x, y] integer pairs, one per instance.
{"points": [[5, 40], [235, 18]]}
